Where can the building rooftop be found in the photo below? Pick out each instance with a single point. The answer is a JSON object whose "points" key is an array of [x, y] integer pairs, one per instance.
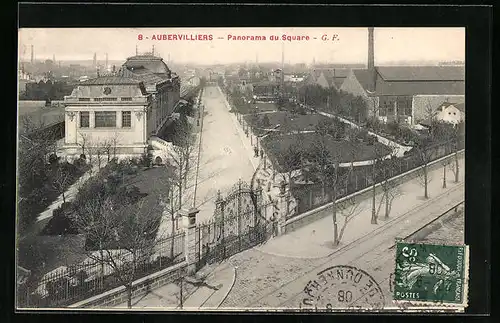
{"points": [[414, 80], [111, 80], [153, 63]]}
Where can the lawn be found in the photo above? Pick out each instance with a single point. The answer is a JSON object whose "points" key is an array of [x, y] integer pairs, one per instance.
{"points": [[37, 253], [276, 146], [288, 121]]}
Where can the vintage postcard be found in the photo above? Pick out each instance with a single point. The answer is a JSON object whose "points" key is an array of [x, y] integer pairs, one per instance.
{"points": [[241, 169]]}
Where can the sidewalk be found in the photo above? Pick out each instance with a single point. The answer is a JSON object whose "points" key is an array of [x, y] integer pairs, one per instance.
{"points": [[314, 240], [198, 292], [69, 194]]}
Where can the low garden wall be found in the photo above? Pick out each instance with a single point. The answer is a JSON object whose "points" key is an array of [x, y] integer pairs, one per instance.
{"points": [[316, 214], [140, 287]]}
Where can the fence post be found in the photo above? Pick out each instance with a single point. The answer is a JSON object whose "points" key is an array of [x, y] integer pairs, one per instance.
{"points": [[282, 212], [189, 223]]}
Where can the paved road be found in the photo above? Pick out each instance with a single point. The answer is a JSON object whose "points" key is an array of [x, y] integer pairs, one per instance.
{"points": [[223, 159]]}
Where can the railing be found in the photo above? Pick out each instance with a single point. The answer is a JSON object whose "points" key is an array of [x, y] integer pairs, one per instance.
{"points": [[77, 282], [312, 196]]}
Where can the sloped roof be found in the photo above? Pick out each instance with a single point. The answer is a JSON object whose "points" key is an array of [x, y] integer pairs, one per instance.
{"points": [[146, 76], [422, 73], [414, 80], [153, 63], [111, 80], [460, 106]]}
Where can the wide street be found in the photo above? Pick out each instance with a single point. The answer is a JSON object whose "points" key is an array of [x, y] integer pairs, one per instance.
{"points": [[224, 159]]}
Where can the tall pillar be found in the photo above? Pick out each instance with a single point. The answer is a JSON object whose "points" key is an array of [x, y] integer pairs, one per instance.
{"points": [[189, 224], [91, 119], [282, 213]]}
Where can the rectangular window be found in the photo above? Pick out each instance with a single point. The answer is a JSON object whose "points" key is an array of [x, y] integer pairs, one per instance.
{"points": [[84, 119], [105, 119], [404, 106], [126, 119]]}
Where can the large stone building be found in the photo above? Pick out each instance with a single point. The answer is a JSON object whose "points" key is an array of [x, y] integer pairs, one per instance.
{"points": [[123, 110], [407, 94]]}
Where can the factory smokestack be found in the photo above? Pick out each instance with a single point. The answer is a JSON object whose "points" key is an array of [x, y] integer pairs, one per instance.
{"points": [[371, 54], [32, 55], [371, 61]]}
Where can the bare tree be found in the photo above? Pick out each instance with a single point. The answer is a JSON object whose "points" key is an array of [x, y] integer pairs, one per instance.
{"points": [[384, 166], [325, 164], [119, 237], [348, 210], [107, 148], [84, 139], [291, 160], [60, 180], [424, 152], [390, 189], [182, 158]]}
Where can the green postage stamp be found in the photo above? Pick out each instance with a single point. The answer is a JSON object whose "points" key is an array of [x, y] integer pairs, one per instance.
{"points": [[431, 274]]}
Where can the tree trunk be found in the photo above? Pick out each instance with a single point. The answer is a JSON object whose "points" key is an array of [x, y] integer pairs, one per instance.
{"points": [[456, 165], [63, 196], [334, 216], [181, 305], [374, 212], [426, 195], [444, 175], [386, 202], [172, 237], [129, 295]]}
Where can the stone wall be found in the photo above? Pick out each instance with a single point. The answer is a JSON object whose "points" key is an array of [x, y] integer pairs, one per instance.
{"points": [[141, 286]]}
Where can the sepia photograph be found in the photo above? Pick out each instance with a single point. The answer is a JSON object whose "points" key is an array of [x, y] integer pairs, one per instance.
{"points": [[241, 169]]}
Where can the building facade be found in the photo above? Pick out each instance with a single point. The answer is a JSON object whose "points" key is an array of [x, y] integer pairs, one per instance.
{"points": [[406, 94], [121, 112], [109, 111], [163, 85]]}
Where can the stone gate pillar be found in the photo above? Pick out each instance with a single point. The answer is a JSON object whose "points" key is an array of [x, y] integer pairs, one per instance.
{"points": [[189, 224], [282, 212]]}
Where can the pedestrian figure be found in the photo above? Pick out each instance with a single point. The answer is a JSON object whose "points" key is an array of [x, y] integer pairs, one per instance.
{"points": [[256, 152], [274, 224]]}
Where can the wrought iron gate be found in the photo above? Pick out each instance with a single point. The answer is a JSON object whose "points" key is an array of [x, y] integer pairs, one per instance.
{"points": [[239, 223]]}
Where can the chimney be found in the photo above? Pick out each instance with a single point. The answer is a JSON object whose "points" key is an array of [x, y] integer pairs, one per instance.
{"points": [[153, 51], [371, 55], [32, 54], [371, 61], [136, 51]]}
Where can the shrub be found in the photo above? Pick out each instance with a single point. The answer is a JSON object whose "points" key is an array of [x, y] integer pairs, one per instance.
{"points": [[60, 223], [371, 140], [362, 134]]}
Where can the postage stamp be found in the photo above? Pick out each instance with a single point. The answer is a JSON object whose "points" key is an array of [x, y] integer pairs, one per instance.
{"points": [[342, 287], [431, 273]]}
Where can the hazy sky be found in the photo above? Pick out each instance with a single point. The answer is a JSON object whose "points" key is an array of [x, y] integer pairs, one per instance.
{"points": [[349, 46]]}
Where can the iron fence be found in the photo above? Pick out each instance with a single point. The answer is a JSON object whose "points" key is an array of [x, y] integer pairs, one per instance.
{"points": [[68, 285], [311, 196]]}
